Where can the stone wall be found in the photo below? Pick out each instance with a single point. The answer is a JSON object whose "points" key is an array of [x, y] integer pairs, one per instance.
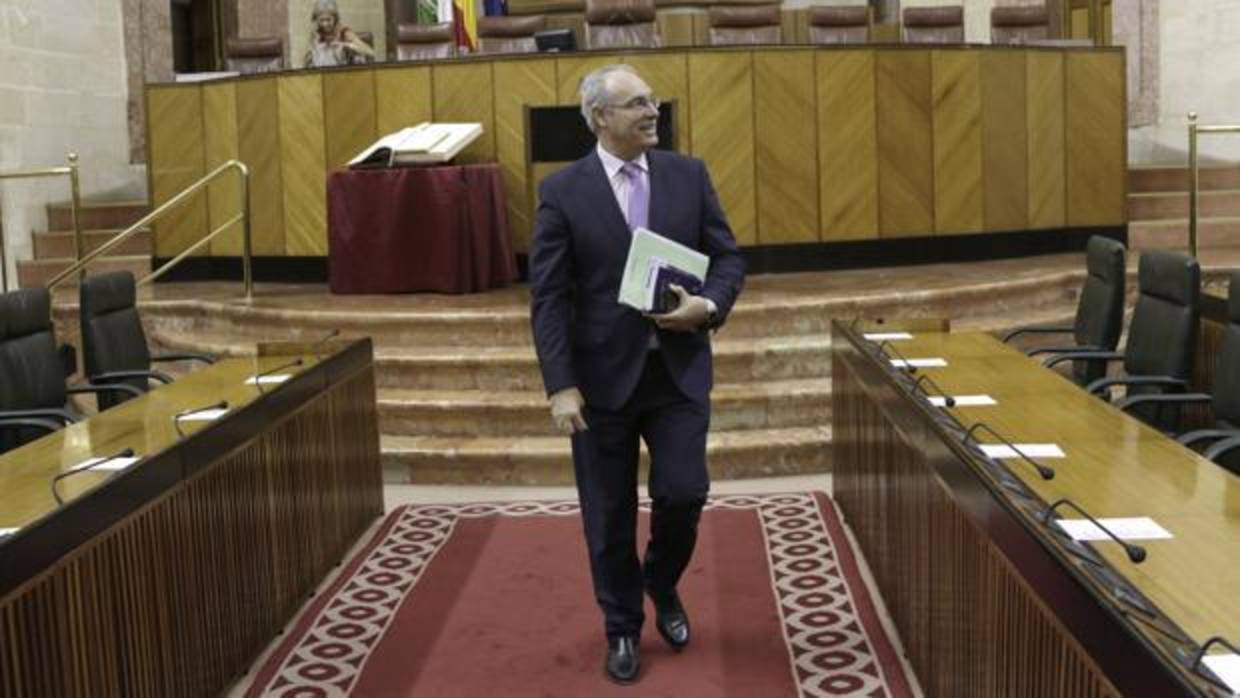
{"points": [[62, 87]]}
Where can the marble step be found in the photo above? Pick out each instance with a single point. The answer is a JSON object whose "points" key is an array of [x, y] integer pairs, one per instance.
{"points": [[1155, 179], [60, 243], [1173, 233], [547, 460], [1164, 205], [97, 214], [37, 272], [734, 406], [765, 310]]}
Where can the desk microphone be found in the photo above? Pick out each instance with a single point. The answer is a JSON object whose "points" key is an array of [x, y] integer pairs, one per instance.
{"points": [[1045, 471], [925, 377], [886, 344], [176, 418], [314, 348], [124, 453], [1135, 552], [258, 377]]}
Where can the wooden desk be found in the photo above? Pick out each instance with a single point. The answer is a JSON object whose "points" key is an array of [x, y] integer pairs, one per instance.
{"points": [[987, 599], [168, 578]]}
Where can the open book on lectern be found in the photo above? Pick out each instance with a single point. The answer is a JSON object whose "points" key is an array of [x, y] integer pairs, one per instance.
{"points": [[426, 143]]}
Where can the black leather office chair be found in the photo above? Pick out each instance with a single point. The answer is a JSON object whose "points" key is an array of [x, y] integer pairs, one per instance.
{"points": [[1162, 338], [113, 342], [33, 396], [1221, 442], [1099, 312]]}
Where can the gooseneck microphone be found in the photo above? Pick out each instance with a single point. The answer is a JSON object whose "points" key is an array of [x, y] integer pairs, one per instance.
{"points": [[317, 346], [925, 378], [1135, 552], [1045, 471], [1201, 654], [258, 377], [124, 453], [886, 344], [176, 418]]}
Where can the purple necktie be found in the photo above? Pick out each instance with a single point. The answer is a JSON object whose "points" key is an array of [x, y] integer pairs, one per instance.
{"points": [[639, 196]]}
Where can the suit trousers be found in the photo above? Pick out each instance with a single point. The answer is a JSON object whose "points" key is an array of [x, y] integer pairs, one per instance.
{"points": [[605, 459]]}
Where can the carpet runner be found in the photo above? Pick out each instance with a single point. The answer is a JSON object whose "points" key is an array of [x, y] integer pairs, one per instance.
{"points": [[495, 599]]}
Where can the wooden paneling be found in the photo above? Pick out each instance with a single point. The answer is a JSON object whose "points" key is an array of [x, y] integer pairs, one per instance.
{"points": [[794, 25], [348, 114], [402, 97], [905, 150], [956, 87], [464, 92], [676, 26], [221, 144], [532, 82], [304, 165], [1005, 167], [175, 136], [721, 111], [258, 129], [784, 117], [847, 145], [1045, 117], [1095, 125]]}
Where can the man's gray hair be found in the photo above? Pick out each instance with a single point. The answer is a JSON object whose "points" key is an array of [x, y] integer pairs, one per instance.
{"points": [[594, 90]]}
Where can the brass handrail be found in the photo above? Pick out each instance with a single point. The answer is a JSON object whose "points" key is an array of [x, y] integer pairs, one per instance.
{"points": [[244, 217], [70, 171], [1194, 129]]}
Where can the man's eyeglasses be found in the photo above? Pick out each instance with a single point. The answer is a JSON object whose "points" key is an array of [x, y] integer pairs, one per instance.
{"points": [[641, 103]]}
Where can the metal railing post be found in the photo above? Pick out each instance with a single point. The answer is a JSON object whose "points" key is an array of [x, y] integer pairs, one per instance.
{"points": [[1192, 183], [246, 233]]}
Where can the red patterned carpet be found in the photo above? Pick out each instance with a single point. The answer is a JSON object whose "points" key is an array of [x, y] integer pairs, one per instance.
{"points": [[494, 599]]}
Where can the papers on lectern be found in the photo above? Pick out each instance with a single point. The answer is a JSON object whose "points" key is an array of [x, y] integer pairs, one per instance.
{"points": [[655, 261], [426, 143]]}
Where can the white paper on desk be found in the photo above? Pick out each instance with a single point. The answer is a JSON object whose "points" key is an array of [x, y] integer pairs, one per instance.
{"points": [[8, 531], [646, 248], [963, 400], [1135, 528], [112, 464], [1226, 667], [1030, 450], [268, 380], [205, 415], [886, 336], [928, 362]]}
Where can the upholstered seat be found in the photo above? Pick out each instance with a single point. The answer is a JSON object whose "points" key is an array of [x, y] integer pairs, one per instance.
{"points": [[1019, 25], [1099, 311], [254, 55], [621, 24], [509, 34], [114, 347], [849, 24], [934, 25], [420, 42], [744, 24], [33, 396]]}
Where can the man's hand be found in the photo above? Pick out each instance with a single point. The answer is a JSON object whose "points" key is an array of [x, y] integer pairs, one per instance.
{"points": [[566, 407], [689, 316]]}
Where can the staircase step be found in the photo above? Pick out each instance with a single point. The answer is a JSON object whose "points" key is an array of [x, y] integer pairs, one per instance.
{"points": [[97, 215], [547, 460], [60, 243], [1165, 205], [37, 272], [1212, 233], [1161, 179], [734, 406]]}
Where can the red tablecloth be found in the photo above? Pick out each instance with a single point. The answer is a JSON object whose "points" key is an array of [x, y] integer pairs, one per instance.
{"points": [[418, 229]]}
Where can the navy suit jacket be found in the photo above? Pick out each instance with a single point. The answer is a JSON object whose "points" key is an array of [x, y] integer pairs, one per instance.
{"points": [[583, 335]]}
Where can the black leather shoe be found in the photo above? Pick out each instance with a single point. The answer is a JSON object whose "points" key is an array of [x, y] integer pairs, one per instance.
{"points": [[623, 660], [671, 620]]}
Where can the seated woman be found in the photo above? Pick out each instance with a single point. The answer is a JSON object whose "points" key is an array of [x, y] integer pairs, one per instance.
{"points": [[332, 43]]}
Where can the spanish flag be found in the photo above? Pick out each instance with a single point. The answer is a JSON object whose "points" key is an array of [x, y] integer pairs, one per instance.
{"points": [[464, 17]]}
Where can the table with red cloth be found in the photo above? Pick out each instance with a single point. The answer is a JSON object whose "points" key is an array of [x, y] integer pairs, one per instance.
{"points": [[418, 229]]}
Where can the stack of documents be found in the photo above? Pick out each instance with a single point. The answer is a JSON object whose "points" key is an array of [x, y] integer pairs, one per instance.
{"points": [[653, 264]]}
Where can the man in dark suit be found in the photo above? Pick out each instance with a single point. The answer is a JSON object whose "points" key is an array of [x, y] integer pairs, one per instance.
{"points": [[614, 375]]}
